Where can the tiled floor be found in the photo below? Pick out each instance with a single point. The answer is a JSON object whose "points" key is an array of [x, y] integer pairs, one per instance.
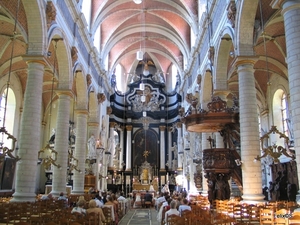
{"points": [[140, 217]]}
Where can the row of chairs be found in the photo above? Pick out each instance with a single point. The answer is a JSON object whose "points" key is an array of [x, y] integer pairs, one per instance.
{"points": [[45, 212]]}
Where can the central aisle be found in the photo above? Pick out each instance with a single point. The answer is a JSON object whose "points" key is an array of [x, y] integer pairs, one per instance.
{"points": [[140, 217]]}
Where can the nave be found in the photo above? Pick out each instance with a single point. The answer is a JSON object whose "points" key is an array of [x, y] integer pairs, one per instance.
{"points": [[140, 217]]}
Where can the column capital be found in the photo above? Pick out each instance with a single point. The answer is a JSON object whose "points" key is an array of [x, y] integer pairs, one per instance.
{"points": [[82, 111], [162, 128], [245, 60], [112, 124], [179, 124], [35, 59], [277, 4], [222, 93], [93, 124], [67, 92], [129, 127]]}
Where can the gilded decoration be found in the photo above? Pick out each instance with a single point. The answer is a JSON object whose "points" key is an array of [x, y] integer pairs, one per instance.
{"points": [[231, 13], [101, 98], [74, 54], [51, 13], [152, 100]]}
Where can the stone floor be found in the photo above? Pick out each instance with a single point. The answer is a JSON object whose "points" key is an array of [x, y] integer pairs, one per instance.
{"points": [[140, 217]]}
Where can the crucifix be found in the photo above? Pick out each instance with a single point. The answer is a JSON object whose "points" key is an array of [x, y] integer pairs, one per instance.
{"points": [[146, 154]]}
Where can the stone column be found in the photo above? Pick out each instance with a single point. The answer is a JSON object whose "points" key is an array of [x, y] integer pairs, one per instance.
{"points": [[205, 145], [122, 148], [80, 150], [128, 148], [61, 142], [291, 15], [180, 146], [30, 130], [111, 144], [250, 145], [162, 148], [93, 129], [169, 148]]}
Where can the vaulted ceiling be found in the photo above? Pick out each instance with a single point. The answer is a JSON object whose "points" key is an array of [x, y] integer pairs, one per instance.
{"points": [[160, 28]]}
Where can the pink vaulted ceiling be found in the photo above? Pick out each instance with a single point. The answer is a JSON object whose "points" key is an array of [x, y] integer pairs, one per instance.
{"points": [[161, 28]]}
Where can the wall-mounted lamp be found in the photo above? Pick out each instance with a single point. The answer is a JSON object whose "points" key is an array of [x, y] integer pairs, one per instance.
{"points": [[238, 162], [232, 54]]}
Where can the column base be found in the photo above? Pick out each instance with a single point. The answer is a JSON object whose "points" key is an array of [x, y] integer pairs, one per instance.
{"points": [[23, 197], [253, 198], [77, 192]]}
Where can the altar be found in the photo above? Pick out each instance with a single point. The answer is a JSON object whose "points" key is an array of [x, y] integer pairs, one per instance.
{"points": [[143, 187]]}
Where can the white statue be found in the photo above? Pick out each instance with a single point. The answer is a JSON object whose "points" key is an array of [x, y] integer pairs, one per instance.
{"points": [[92, 147], [175, 150]]}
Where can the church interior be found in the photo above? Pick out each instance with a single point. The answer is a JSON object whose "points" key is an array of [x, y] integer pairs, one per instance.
{"points": [[130, 96]]}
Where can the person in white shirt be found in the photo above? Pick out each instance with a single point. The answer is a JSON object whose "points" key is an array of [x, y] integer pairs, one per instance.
{"points": [[121, 197], [160, 200], [184, 206], [98, 201], [171, 211]]}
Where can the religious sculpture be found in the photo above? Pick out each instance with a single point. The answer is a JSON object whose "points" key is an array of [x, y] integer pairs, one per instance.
{"points": [[92, 147]]}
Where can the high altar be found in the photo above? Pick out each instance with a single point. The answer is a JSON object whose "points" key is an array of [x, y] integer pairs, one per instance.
{"points": [[145, 180]]}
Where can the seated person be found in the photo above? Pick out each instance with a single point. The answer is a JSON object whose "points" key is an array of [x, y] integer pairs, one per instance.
{"points": [[138, 200], [148, 197], [79, 208], [184, 206], [93, 208], [171, 211], [63, 198], [47, 197]]}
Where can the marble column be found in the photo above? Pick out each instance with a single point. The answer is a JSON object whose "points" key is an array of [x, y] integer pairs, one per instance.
{"points": [[80, 150], [170, 148], [291, 15], [128, 148], [249, 129], [162, 148], [205, 145], [111, 144], [30, 130], [61, 145], [180, 146], [121, 160], [93, 129]]}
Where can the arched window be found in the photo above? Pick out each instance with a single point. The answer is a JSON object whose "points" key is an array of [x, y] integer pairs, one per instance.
{"points": [[9, 114], [281, 112], [285, 114]]}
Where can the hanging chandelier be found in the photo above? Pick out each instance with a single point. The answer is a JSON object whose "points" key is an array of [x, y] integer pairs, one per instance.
{"points": [[6, 151], [48, 155]]}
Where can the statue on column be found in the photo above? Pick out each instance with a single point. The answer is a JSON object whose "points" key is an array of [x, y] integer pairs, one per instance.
{"points": [[92, 147]]}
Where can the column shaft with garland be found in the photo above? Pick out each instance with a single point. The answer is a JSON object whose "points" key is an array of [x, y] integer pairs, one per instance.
{"points": [[249, 129], [80, 150], [180, 145], [111, 144], [25, 189], [61, 141], [205, 145], [291, 15]]}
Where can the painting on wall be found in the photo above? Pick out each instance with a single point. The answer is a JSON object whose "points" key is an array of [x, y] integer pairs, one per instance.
{"points": [[8, 174], [145, 140]]}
